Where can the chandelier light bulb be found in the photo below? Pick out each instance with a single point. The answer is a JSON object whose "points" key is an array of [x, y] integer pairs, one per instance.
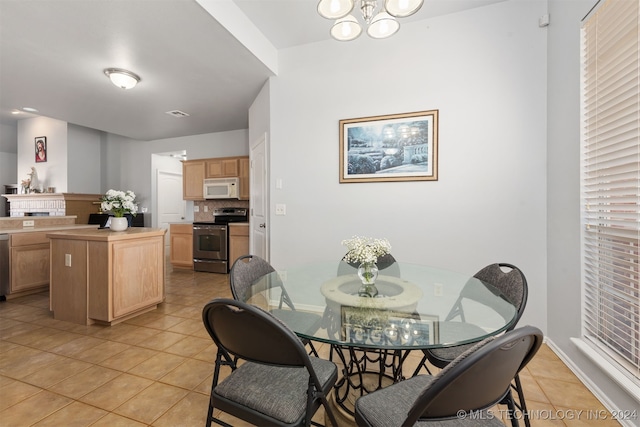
{"points": [[346, 29], [402, 8], [335, 9], [382, 25]]}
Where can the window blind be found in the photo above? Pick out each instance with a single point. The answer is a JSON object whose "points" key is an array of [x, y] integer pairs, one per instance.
{"points": [[611, 182]]}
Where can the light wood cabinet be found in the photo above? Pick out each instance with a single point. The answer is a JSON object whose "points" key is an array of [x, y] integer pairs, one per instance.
{"points": [[238, 241], [221, 168], [195, 171], [181, 241], [28, 263], [193, 179], [103, 276], [244, 178]]}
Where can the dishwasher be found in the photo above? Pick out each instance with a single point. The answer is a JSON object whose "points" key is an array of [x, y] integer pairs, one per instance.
{"points": [[4, 266]]}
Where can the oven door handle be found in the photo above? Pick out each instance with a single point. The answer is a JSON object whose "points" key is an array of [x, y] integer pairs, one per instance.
{"points": [[209, 227]]}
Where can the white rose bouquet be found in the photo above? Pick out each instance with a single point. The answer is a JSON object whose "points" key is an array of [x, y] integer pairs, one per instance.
{"points": [[365, 249], [119, 203]]}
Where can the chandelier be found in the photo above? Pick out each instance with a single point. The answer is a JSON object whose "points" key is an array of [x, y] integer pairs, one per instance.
{"points": [[380, 20]]}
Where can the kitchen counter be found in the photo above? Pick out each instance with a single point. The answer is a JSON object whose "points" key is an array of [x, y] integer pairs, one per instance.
{"points": [[50, 228], [103, 276]]}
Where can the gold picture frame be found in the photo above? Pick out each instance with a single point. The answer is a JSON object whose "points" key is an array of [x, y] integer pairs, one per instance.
{"points": [[396, 147]]}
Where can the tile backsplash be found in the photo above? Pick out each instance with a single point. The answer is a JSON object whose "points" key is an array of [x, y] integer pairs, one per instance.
{"points": [[210, 205]]}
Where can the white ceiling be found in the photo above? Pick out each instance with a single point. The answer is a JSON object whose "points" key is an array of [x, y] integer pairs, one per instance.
{"points": [[53, 53]]}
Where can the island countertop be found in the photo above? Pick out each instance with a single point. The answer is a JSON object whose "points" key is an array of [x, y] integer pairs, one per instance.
{"points": [[106, 235]]}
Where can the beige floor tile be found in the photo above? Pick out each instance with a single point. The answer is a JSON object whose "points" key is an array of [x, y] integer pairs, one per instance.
{"points": [[190, 411], [115, 420], [13, 391], [117, 391], [56, 340], [542, 415], [135, 335], [102, 351], [76, 414], [150, 404], [33, 409], [194, 313], [26, 365], [157, 366], [34, 335], [566, 394], [18, 328], [189, 374], [128, 359], [188, 346], [82, 383], [56, 372], [77, 346], [162, 340], [551, 368], [188, 327]]}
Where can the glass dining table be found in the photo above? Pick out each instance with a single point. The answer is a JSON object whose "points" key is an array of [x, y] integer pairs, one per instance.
{"points": [[417, 307]]}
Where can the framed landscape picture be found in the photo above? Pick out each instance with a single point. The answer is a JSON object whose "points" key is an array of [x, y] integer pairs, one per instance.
{"points": [[397, 147]]}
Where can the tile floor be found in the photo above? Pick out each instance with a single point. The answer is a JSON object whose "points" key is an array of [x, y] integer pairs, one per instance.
{"points": [[156, 369]]}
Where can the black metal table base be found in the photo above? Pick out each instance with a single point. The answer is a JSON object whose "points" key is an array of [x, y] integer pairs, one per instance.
{"points": [[365, 371]]}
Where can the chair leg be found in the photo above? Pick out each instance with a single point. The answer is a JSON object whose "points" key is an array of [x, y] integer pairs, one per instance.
{"points": [[508, 400], [312, 350], [522, 404], [423, 363]]}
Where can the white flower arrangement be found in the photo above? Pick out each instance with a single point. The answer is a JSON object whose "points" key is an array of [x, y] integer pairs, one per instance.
{"points": [[365, 249], [119, 203]]}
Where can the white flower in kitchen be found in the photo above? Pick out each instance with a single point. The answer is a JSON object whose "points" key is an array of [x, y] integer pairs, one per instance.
{"points": [[119, 203]]}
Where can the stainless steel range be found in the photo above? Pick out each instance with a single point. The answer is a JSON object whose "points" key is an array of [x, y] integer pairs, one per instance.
{"points": [[211, 240]]}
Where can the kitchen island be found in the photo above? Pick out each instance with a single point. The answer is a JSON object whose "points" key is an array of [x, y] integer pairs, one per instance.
{"points": [[103, 276]]}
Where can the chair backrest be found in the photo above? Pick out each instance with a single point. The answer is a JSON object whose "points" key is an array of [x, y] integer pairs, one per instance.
{"points": [[250, 333], [386, 265], [478, 378], [505, 278], [244, 271]]}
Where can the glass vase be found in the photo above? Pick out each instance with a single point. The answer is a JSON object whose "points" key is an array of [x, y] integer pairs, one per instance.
{"points": [[368, 273]]}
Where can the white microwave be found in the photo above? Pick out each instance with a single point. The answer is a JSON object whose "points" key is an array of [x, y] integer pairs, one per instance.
{"points": [[221, 188]]}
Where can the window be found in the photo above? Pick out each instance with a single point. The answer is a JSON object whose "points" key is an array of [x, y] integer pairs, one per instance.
{"points": [[611, 182]]}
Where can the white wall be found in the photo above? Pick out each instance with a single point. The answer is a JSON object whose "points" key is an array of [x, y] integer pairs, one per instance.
{"points": [[485, 71], [8, 159], [53, 172], [83, 171]]}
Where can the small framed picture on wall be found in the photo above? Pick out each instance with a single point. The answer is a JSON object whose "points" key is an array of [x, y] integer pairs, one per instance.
{"points": [[41, 149]]}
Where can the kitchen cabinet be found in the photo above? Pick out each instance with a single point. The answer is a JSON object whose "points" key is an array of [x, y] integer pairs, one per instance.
{"points": [[181, 244], [193, 179], [195, 171], [28, 263], [103, 276], [238, 241], [244, 167], [221, 168]]}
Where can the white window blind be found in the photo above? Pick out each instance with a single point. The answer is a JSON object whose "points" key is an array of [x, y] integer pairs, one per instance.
{"points": [[611, 182]]}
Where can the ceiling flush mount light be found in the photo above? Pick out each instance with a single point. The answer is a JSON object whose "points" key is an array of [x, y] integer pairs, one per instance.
{"points": [[122, 78], [379, 19]]}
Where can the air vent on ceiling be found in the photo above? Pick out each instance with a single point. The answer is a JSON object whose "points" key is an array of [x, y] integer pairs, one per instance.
{"points": [[177, 113]]}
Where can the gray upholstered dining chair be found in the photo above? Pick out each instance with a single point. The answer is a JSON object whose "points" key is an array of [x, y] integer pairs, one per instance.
{"points": [[249, 268], [278, 384], [461, 394], [508, 280]]}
